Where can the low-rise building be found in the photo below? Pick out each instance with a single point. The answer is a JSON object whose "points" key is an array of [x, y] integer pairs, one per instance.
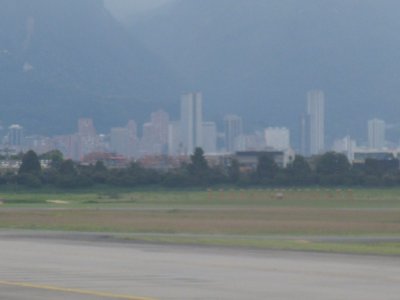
{"points": [[249, 159], [360, 156]]}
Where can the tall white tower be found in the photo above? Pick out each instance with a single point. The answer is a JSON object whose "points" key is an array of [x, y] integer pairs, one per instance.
{"points": [[376, 134], [316, 117], [15, 135], [209, 137], [191, 122], [233, 127]]}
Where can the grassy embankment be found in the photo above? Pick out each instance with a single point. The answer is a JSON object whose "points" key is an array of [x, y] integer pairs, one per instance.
{"points": [[352, 221]]}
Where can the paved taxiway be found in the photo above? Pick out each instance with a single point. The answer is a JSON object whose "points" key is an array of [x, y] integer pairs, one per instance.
{"points": [[94, 269]]}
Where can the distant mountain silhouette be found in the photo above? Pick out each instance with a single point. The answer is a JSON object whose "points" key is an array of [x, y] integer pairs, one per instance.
{"points": [[258, 58], [64, 59]]}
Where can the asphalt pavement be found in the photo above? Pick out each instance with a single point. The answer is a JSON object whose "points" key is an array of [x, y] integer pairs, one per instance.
{"points": [[34, 267]]}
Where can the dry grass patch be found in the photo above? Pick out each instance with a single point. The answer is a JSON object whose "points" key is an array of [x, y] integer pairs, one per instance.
{"points": [[222, 221], [57, 202]]}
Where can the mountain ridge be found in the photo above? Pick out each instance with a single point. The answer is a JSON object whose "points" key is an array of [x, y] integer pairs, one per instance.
{"points": [[259, 58], [73, 56]]}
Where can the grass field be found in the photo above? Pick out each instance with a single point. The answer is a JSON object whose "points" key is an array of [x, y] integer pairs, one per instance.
{"points": [[295, 219]]}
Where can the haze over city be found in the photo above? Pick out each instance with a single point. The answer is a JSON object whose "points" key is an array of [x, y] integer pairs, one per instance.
{"points": [[253, 61], [143, 59], [199, 149]]}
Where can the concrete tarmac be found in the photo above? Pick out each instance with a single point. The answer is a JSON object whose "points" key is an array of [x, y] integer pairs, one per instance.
{"points": [[38, 268]]}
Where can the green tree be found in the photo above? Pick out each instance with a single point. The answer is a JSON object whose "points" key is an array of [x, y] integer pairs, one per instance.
{"points": [[380, 168], [29, 180], [198, 161], [300, 166], [299, 171], [100, 167], [99, 172], [70, 176], [198, 167], [137, 175], [332, 163], [30, 164], [56, 158], [333, 169], [234, 171], [266, 167], [67, 167], [175, 178]]}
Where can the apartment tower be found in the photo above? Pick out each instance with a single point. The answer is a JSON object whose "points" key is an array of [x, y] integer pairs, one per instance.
{"points": [[316, 121], [376, 134], [191, 122], [233, 127]]}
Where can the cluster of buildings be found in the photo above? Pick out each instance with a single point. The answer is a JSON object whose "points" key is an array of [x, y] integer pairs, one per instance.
{"points": [[172, 139], [376, 147]]}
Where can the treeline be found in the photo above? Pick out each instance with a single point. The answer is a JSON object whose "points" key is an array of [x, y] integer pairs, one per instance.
{"points": [[329, 169]]}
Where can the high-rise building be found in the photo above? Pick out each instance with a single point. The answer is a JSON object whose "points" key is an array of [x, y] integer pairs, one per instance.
{"points": [[150, 143], [376, 134], [277, 138], [133, 138], [119, 141], [39, 144], [69, 145], [304, 135], [250, 142], [174, 139], [316, 121], [233, 127], [88, 139], [191, 122], [155, 134], [160, 122], [132, 128], [209, 137], [16, 136], [86, 127]]}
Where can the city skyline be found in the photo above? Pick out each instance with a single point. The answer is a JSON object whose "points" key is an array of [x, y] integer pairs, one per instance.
{"points": [[199, 149], [272, 95], [161, 135]]}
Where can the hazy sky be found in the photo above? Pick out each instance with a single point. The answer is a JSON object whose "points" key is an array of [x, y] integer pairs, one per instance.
{"points": [[124, 8]]}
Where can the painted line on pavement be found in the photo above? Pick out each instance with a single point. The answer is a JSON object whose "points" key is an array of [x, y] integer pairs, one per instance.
{"points": [[72, 291]]}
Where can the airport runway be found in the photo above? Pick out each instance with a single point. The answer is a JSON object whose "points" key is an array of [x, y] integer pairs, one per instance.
{"points": [[33, 268]]}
